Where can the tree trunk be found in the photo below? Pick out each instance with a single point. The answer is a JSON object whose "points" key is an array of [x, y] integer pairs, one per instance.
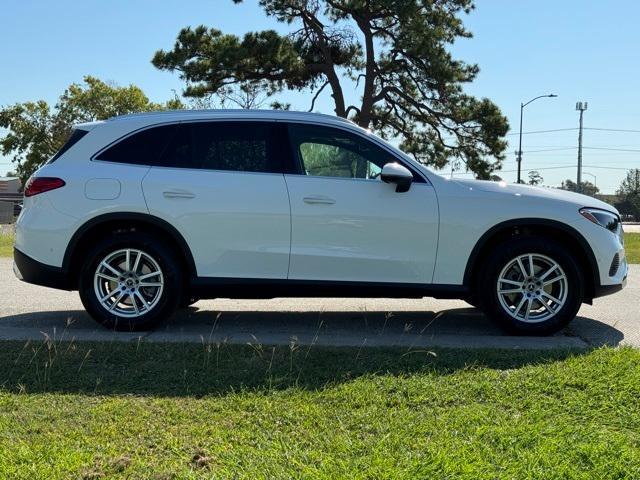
{"points": [[364, 118]]}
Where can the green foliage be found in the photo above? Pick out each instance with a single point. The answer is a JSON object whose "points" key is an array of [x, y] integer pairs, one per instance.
{"points": [[631, 183], [629, 193], [6, 244], [535, 178], [36, 131], [632, 247], [150, 411], [397, 50], [588, 188]]}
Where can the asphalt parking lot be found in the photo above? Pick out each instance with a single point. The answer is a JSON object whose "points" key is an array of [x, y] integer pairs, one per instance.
{"points": [[31, 312]]}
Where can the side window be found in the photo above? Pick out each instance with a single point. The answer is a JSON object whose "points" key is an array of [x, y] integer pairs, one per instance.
{"points": [[331, 152], [178, 152], [236, 146], [143, 148]]}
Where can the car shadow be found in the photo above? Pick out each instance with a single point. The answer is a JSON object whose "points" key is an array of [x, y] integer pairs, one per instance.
{"points": [[334, 327], [202, 352]]}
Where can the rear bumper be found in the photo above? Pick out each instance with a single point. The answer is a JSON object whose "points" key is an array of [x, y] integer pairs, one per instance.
{"points": [[31, 271]]}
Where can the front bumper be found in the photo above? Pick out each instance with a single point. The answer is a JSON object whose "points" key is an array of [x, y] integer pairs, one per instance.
{"points": [[604, 290], [31, 271], [620, 280]]}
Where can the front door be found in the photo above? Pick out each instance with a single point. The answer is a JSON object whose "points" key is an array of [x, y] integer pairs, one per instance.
{"points": [[348, 225]]}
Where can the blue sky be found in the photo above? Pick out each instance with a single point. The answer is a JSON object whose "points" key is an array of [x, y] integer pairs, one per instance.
{"points": [[579, 50]]}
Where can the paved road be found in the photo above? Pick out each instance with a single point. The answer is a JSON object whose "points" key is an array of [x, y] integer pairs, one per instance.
{"points": [[30, 312]]}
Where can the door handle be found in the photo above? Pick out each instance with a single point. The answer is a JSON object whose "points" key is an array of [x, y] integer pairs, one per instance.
{"points": [[178, 194], [319, 200]]}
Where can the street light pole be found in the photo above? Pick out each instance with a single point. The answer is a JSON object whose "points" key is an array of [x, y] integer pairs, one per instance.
{"points": [[522, 105]]}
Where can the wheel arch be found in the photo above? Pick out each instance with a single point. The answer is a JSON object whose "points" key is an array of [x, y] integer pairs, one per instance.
{"points": [[566, 234], [131, 221]]}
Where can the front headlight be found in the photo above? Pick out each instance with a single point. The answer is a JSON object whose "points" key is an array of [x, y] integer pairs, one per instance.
{"points": [[605, 219]]}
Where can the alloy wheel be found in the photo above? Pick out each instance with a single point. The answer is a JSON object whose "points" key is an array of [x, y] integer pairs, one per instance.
{"points": [[532, 288], [128, 283]]}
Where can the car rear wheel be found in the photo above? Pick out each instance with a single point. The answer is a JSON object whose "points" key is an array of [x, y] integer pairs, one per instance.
{"points": [[533, 286], [130, 281]]}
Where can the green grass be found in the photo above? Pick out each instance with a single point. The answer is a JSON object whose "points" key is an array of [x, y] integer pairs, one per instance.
{"points": [[163, 411], [632, 247], [6, 245]]}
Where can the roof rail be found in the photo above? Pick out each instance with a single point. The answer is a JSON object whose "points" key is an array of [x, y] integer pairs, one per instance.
{"points": [[227, 112]]}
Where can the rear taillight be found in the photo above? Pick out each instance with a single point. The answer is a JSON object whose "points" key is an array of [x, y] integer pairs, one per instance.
{"points": [[42, 184]]}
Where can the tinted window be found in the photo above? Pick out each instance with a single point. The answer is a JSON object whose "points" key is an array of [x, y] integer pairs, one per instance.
{"points": [[331, 152], [143, 148], [75, 136], [237, 146]]}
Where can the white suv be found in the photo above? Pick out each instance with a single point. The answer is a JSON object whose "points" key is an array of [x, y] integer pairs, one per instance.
{"points": [[146, 213]]}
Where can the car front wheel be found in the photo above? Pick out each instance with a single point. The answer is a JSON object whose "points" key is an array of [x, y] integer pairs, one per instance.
{"points": [[533, 286], [130, 281]]}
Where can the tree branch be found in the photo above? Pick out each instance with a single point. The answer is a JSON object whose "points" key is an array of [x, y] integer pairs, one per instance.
{"points": [[354, 108], [364, 117], [315, 97], [317, 27]]}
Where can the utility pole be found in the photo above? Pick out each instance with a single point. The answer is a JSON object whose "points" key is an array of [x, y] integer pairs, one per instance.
{"points": [[520, 145], [581, 107]]}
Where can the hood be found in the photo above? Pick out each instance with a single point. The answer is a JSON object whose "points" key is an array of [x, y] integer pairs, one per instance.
{"points": [[535, 192]]}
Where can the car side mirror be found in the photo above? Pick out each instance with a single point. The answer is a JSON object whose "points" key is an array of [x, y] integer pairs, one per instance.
{"points": [[396, 173]]}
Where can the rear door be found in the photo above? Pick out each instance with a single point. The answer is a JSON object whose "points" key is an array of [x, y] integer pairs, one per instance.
{"points": [[348, 225], [221, 185]]}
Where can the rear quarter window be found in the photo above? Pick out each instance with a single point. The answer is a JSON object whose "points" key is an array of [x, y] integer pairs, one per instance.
{"points": [[142, 148], [74, 138]]}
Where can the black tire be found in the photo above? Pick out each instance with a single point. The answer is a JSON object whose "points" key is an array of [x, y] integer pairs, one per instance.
{"points": [[167, 300], [501, 257]]}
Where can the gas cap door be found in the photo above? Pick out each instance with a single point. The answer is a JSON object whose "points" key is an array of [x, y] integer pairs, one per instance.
{"points": [[102, 189]]}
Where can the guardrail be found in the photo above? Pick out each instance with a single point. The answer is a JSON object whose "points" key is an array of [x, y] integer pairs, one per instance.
{"points": [[15, 198]]}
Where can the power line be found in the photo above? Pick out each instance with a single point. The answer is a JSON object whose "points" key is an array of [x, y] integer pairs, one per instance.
{"points": [[613, 149], [609, 168], [623, 130], [526, 133], [544, 131], [612, 130], [550, 149]]}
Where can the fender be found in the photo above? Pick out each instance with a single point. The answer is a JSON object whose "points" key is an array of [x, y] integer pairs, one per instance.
{"points": [[128, 216], [532, 222]]}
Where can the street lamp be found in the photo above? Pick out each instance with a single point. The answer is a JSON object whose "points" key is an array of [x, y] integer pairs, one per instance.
{"points": [[522, 105]]}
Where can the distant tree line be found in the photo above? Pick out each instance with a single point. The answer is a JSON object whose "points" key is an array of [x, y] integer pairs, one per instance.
{"points": [[629, 194], [36, 130]]}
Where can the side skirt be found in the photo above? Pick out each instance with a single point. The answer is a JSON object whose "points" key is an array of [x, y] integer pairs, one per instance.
{"points": [[214, 287]]}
